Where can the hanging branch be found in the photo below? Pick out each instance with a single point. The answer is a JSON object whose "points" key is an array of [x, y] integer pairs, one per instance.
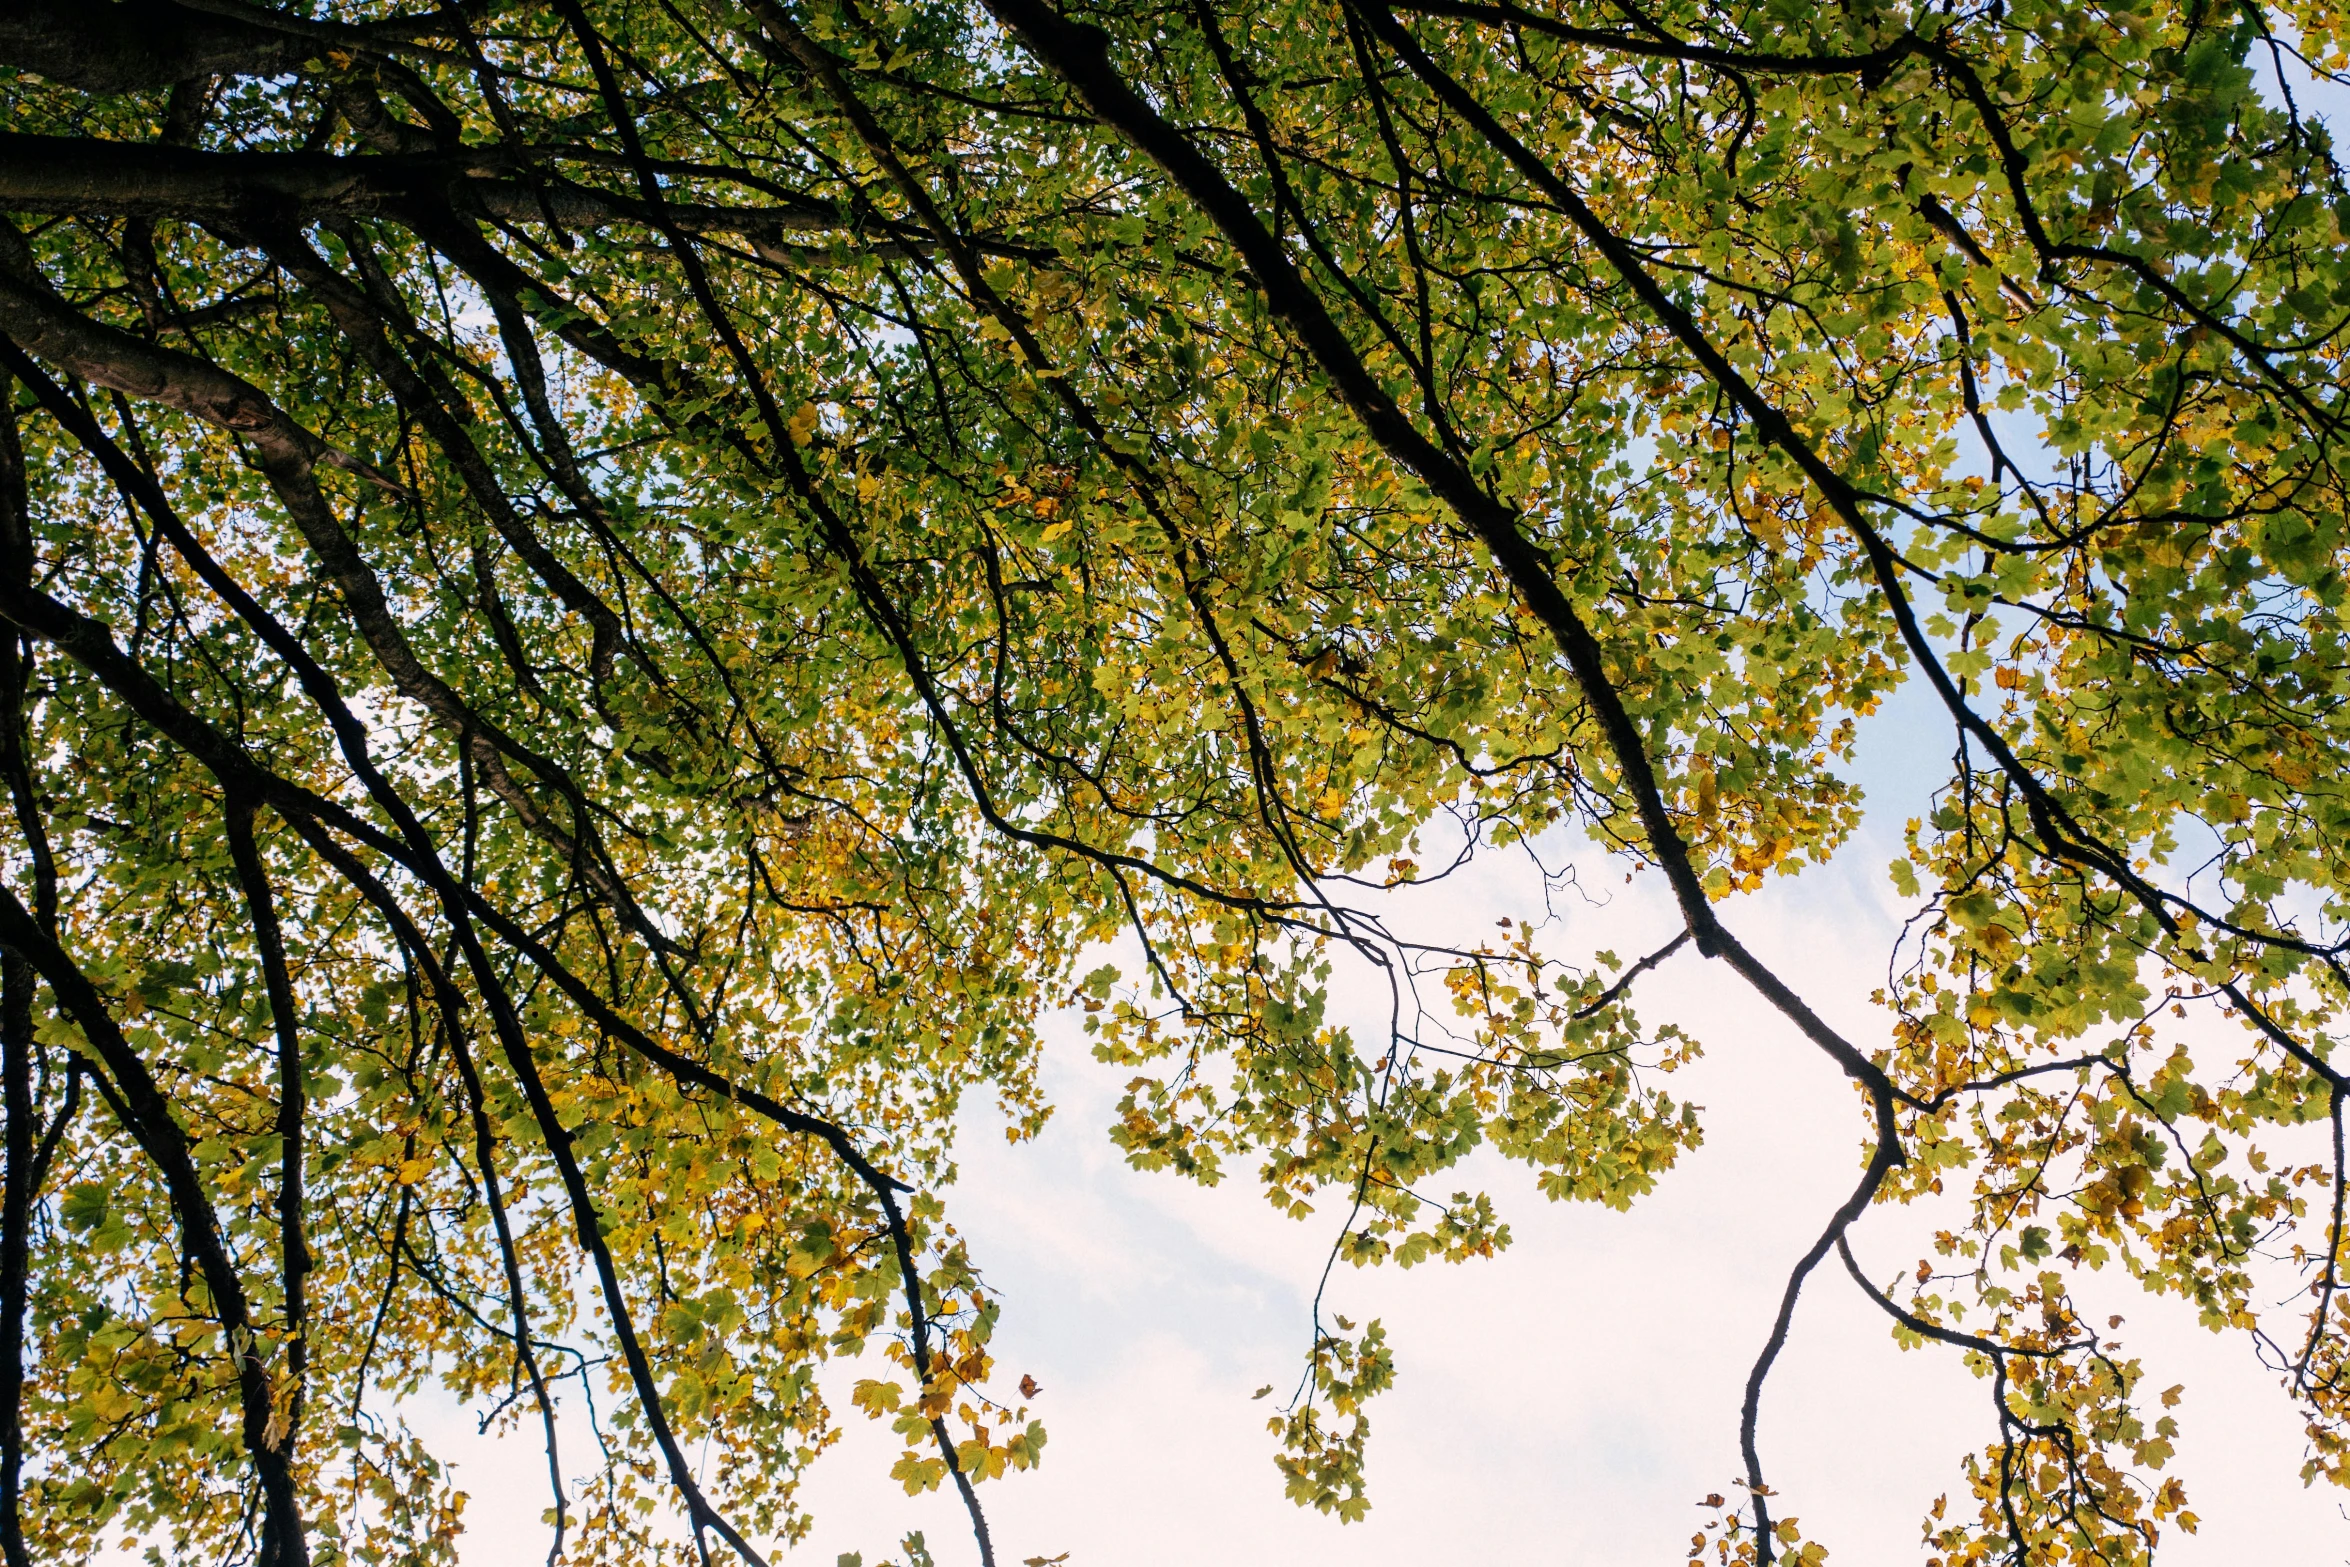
{"points": [[152, 1126]]}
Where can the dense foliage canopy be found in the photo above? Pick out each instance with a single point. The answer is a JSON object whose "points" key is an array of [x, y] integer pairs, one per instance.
{"points": [[609, 601]]}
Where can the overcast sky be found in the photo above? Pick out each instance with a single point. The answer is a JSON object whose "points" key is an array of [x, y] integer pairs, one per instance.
{"points": [[1568, 1402]]}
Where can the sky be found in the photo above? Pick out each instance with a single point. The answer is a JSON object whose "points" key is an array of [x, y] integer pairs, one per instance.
{"points": [[1569, 1401]]}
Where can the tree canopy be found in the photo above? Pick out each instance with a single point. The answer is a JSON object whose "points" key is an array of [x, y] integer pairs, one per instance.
{"points": [[608, 603]]}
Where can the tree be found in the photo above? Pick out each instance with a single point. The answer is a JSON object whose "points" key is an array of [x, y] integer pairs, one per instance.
{"points": [[609, 600]]}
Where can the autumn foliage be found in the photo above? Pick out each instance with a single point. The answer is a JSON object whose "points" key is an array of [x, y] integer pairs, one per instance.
{"points": [[606, 604]]}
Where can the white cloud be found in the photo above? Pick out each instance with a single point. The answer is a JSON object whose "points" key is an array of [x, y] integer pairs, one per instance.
{"points": [[1567, 1402]]}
